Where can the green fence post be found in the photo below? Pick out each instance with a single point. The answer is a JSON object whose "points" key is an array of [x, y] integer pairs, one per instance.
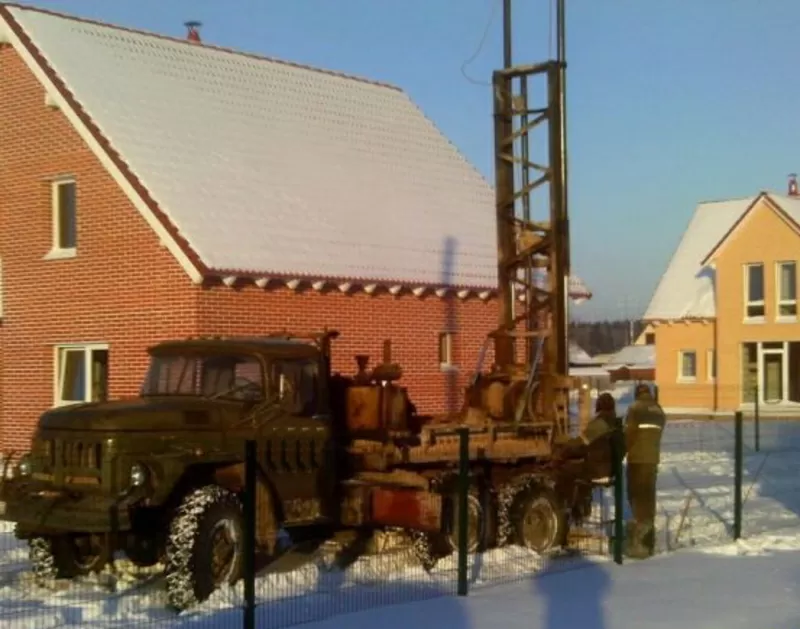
{"points": [[463, 491], [757, 423], [738, 465], [249, 541], [617, 454]]}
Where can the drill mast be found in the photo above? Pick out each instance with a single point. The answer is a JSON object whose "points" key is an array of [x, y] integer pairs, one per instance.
{"points": [[532, 233]]}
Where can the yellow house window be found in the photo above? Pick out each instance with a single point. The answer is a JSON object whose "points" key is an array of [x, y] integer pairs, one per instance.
{"points": [[786, 285], [687, 365], [754, 291]]}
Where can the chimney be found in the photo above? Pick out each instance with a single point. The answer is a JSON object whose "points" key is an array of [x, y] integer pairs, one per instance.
{"points": [[193, 33], [793, 185]]}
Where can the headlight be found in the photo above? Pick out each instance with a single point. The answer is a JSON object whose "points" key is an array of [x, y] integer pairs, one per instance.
{"points": [[139, 475], [24, 467]]}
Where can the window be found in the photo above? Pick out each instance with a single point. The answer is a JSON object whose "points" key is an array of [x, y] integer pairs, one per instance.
{"points": [[446, 349], [81, 374], [65, 223], [754, 291], [687, 365], [296, 383], [229, 376], [786, 284], [711, 365], [650, 338]]}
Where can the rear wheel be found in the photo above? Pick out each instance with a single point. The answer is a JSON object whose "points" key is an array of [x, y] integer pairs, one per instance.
{"points": [[538, 519], [481, 520]]}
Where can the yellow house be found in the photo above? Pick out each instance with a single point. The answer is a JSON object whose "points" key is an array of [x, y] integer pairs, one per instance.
{"points": [[725, 312]]}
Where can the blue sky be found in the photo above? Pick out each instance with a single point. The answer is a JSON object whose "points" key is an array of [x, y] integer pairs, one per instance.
{"points": [[670, 102]]}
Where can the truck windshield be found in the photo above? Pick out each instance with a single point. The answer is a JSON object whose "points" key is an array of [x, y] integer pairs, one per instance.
{"points": [[225, 376]]}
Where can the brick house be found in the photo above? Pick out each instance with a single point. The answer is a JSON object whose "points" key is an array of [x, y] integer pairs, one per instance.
{"points": [[153, 187], [725, 311]]}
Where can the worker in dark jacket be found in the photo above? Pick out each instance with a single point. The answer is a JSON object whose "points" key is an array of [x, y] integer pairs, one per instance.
{"points": [[593, 444], [644, 426], [592, 452]]}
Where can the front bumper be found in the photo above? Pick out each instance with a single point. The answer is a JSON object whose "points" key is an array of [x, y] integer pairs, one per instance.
{"points": [[41, 509]]}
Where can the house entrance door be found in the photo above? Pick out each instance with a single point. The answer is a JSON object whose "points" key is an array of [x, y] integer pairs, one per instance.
{"points": [[773, 373]]}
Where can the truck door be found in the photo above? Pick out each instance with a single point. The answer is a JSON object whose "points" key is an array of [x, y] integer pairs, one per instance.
{"points": [[296, 445]]}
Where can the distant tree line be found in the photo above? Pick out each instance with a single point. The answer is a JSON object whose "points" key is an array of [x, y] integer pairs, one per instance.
{"points": [[603, 337]]}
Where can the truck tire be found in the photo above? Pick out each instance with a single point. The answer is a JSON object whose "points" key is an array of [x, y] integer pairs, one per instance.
{"points": [[66, 556], [207, 526], [538, 519], [481, 520]]}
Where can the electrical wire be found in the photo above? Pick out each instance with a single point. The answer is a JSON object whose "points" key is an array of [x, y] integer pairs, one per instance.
{"points": [[495, 4]]}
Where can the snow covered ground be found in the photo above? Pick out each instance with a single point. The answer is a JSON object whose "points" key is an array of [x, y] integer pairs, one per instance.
{"points": [[695, 510], [754, 583]]}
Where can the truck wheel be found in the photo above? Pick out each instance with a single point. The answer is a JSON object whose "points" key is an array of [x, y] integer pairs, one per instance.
{"points": [[538, 519], [204, 548], [481, 520], [66, 556]]}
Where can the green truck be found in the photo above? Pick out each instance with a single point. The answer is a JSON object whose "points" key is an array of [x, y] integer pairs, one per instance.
{"points": [[161, 476]]}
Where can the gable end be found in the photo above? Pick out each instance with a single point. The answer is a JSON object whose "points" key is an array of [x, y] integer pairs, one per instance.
{"points": [[12, 33]]}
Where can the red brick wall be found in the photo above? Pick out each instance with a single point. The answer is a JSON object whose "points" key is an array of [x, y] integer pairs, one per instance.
{"points": [[123, 287], [412, 323]]}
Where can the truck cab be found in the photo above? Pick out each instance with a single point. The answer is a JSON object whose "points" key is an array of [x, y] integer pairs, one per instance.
{"points": [[137, 474]]}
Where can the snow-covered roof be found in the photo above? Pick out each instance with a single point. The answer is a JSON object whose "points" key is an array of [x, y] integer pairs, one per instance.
{"points": [[256, 167], [642, 356], [686, 289], [578, 355]]}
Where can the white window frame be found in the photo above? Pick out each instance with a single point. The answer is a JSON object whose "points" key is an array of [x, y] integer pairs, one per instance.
{"points": [[57, 251], [711, 359], [681, 376], [2, 291], [778, 297], [447, 337], [746, 295], [58, 369]]}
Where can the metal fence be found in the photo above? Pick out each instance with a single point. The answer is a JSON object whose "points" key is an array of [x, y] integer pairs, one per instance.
{"points": [[310, 577], [720, 478], [726, 474]]}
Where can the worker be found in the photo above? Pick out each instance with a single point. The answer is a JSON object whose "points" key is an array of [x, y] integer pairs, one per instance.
{"points": [[644, 426], [591, 443], [594, 447]]}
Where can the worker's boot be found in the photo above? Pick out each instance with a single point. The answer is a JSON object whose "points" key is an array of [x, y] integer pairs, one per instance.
{"points": [[633, 546], [648, 538]]}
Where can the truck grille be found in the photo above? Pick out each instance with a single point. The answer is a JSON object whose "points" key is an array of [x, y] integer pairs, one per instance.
{"points": [[75, 461], [79, 454]]}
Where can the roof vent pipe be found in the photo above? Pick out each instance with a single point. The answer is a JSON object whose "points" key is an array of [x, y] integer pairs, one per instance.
{"points": [[793, 185], [193, 33]]}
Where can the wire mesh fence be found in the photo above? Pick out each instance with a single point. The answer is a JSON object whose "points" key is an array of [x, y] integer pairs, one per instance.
{"points": [[311, 574], [698, 473], [706, 494]]}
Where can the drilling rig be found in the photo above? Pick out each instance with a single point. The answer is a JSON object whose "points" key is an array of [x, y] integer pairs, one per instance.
{"points": [[529, 380]]}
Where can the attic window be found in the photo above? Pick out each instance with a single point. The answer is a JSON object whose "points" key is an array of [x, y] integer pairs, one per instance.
{"points": [[446, 349], [64, 219]]}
